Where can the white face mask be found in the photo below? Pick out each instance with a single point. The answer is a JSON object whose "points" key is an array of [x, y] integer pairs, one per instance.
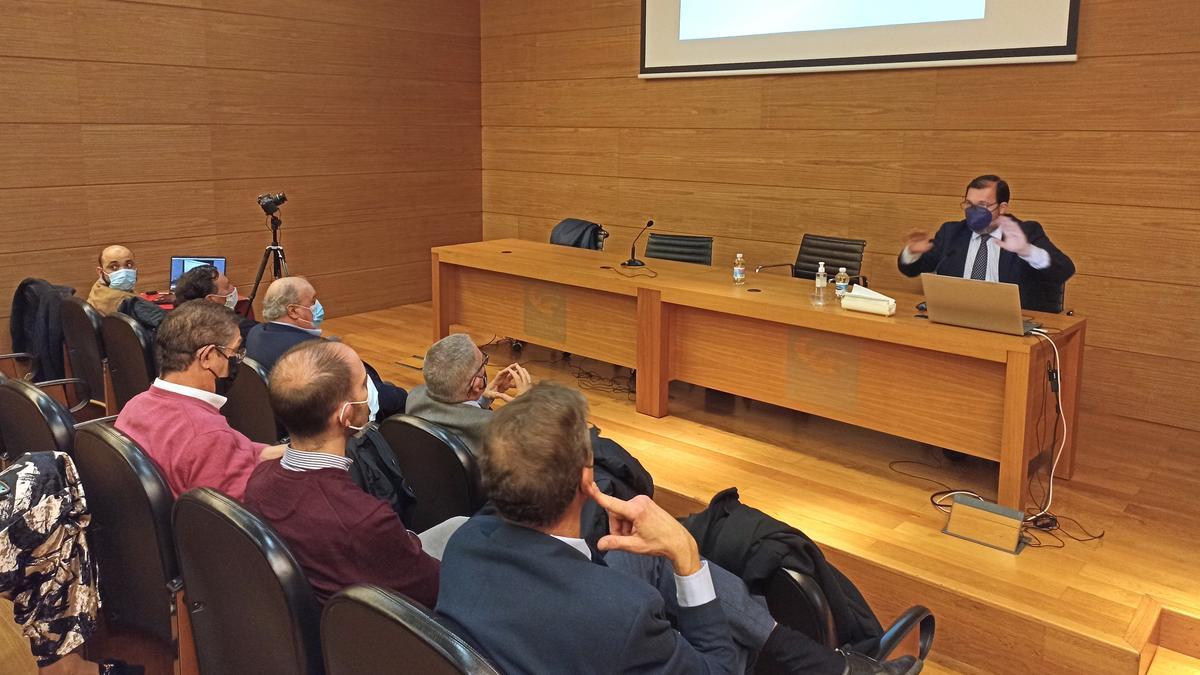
{"points": [[122, 279], [372, 398], [231, 300], [343, 410]]}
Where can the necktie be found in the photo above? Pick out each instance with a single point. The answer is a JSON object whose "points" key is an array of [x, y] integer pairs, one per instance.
{"points": [[979, 267]]}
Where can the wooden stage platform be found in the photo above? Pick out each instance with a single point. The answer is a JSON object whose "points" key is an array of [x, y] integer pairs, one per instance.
{"points": [[1093, 607]]}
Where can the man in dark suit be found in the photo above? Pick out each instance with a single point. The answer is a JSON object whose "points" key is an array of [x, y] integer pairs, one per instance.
{"points": [[535, 598], [294, 315], [990, 244]]}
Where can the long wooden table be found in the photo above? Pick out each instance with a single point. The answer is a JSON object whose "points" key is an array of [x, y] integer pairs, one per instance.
{"points": [[977, 392]]}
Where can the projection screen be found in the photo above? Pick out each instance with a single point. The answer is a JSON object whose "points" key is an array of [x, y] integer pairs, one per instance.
{"points": [[701, 38]]}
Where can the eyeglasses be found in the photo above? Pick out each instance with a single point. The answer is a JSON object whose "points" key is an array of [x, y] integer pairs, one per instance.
{"points": [[966, 203], [236, 355], [482, 365]]}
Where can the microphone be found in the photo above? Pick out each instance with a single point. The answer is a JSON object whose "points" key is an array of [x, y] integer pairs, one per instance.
{"points": [[633, 259]]}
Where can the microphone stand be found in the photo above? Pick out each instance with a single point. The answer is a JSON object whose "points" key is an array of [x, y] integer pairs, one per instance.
{"points": [[633, 259]]}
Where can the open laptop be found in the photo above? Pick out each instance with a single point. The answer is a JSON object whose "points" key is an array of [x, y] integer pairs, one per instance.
{"points": [[971, 303], [185, 263]]}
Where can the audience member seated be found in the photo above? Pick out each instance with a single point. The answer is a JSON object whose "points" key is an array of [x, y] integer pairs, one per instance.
{"points": [[509, 575], [177, 421], [339, 534], [46, 568], [535, 598], [116, 273], [205, 282], [293, 315], [456, 393]]}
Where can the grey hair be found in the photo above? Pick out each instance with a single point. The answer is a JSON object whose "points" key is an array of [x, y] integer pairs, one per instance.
{"points": [[281, 293], [449, 366]]}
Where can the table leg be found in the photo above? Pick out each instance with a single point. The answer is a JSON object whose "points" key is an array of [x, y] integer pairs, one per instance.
{"points": [[653, 354], [1014, 466], [443, 296], [1071, 386]]}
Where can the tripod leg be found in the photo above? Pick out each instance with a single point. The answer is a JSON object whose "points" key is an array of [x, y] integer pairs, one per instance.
{"points": [[262, 268], [282, 260]]}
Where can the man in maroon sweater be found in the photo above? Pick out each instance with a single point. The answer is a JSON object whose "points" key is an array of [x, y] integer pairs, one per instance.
{"points": [[178, 420], [339, 534]]}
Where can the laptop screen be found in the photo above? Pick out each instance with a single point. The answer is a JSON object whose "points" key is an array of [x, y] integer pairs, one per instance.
{"points": [[184, 263]]}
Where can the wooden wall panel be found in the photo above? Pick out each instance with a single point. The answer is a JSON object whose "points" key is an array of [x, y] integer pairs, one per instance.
{"points": [[1101, 151], [156, 124]]}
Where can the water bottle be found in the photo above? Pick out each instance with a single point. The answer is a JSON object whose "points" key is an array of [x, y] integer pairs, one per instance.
{"points": [[739, 270], [822, 282], [841, 283]]}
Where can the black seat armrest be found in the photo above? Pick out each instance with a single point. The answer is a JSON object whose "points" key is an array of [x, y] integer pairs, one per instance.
{"points": [[913, 617]]}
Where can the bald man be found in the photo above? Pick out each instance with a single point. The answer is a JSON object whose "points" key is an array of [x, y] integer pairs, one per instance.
{"points": [[293, 315], [339, 534], [116, 272]]}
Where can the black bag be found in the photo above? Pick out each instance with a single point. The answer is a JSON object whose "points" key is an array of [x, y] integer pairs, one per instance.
{"points": [[377, 472], [579, 233]]}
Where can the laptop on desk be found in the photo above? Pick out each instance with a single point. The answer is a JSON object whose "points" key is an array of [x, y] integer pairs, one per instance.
{"points": [[971, 303], [186, 263]]}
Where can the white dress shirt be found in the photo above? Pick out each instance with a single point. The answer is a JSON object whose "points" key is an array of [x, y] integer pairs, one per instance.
{"points": [[215, 400], [690, 591], [302, 460]]}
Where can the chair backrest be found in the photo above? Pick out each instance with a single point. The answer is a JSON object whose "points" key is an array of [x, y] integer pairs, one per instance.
{"points": [[130, 353], [680, 247], [32, 421], [248, 408], [252, 609], [796, 600], [366, 629], [85, 351], [835, 252], [130, 533], [437, 466]]}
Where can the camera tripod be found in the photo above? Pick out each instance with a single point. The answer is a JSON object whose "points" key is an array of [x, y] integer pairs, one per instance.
{"points": [[274, 253]]}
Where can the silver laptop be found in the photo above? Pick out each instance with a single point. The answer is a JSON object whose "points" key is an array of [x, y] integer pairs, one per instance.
{"points": [[971, 303]]}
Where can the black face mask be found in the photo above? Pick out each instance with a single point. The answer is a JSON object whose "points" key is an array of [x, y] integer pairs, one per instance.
{"points": [[224, 384]]}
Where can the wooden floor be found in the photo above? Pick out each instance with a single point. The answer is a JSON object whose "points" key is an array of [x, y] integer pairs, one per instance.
{"points": [[1137, 482]]}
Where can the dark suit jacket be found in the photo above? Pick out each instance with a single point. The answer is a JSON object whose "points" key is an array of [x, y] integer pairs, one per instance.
{"points": [[534, 604], [1041, 290], [268, 341]]}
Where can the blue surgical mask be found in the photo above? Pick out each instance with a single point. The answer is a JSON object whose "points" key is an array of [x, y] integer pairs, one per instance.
{"points": [[123, 279], [318, 314], [978, 218]]}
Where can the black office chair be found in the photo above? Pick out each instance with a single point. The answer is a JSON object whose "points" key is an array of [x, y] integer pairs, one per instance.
{"points": [[835, 252], [366, 629], [248, 408], [130, 351], [251, 607], [130, 533], [438, 467], [85, 351], [680, 247]]}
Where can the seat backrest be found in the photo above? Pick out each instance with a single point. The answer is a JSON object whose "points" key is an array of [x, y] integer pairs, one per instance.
{"points": [[32, 421], [252, 609], [130, 353], [85, 351], [796, 600], [835, 252], [366, 629], [248, 408], [437, 466], [680, 247], [130, 533]]}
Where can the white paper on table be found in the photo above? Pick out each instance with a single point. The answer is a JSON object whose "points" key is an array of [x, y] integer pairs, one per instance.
{"points": [[863, 299]]}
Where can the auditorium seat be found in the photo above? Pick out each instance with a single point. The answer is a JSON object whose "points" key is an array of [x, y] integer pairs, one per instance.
{"points": [[248, 408], [85, 351], [251, 608], [680, 247], [130, 351], [130, 533], [31, 420], [366, 629], [438, 467]]}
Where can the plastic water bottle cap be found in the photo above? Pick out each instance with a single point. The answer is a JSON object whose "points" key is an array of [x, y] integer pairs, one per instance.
{"points": [[841, 269]]}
